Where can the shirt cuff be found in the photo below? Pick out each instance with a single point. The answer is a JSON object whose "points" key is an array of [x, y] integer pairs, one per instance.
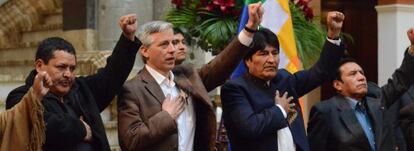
{"points": [[336, 42], [283, 110], [244, 39]]}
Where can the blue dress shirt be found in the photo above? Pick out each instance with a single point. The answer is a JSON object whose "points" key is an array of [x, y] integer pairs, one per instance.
{"points": [[363, 119]]}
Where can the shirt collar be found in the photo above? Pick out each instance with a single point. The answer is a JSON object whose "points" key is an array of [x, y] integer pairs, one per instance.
{"points": [[352, 102], [159, 77], [260, 82]]}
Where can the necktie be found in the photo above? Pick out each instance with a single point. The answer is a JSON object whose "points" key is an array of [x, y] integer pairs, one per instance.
{"points": [[360, 107]]}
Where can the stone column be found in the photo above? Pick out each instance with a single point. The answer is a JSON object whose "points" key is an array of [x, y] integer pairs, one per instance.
{"points": [[79, 23], [394, 19], [109, 12]]}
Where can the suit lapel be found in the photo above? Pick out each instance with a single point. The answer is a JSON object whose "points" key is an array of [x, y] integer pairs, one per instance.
{"points": [[350, 121], [374, 111], [152, 86], [185, 84]]}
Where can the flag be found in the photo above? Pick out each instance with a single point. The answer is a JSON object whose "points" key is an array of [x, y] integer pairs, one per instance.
{"points": [[277, 18]]}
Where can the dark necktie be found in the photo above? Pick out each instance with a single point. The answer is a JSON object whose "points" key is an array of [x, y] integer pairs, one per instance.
{"points": [[360, 108]]}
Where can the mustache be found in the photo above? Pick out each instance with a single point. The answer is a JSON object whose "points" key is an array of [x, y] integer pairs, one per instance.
{"points": [[61, 81], [270, 66]]}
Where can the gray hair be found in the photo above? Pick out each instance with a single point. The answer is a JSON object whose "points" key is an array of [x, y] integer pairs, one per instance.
{"points": [[152, 27]]}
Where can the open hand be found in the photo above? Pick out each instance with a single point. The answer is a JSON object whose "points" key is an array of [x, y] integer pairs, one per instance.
{"points": [[174, 107], [284, 101]]}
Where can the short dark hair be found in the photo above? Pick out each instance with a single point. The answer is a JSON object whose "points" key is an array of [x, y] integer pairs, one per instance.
{"points": [[262, 38], [47, 47], [182, 31], [337, 74], [177, 30]]}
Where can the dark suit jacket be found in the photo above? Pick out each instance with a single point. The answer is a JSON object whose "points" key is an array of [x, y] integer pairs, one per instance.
{"points": [[143, 125], [406, 118], [249, 111], [392, 115], [334, 126]]}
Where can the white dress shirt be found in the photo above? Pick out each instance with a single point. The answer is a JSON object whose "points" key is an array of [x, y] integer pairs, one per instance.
{"points": [[186, 120]]}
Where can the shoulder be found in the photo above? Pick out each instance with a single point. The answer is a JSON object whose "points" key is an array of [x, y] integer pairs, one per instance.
{"points": [[186, 69], [283, 73], [373, 90], [326, 106], [239, 82], [236, 85], [133, 83], [16, 95]]}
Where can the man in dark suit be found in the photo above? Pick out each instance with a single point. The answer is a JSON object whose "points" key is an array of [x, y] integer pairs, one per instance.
{"points": [[167, 107], [254, 116], [406, 118], [353, 119]]}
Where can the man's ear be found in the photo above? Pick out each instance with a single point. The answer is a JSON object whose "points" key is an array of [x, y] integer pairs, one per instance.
{"points": [[39, 65], [144, 51], [337, 84], [248, 63]]}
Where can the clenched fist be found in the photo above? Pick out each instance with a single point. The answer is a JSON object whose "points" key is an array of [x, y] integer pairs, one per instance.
{"points": [[41, 85], [410, 34], [128, 24], [335, 21], [255, 15]]}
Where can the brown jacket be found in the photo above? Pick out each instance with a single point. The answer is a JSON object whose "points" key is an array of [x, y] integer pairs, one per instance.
{"points": [[143, 125], [22, 127]]}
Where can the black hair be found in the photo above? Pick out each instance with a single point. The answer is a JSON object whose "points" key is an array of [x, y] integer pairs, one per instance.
{"points": [[47, 47], [180, 30], [262, 38], [337, 74]]}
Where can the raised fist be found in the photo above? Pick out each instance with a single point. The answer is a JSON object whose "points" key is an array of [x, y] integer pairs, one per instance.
{"points": [[410, 34], [128, 24], [255, 15], [335, 21]]}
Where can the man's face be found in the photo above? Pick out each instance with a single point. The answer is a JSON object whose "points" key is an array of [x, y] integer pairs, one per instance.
{"points": [[160, 53], [353, 82], [180, 45], [264, 63], [61, 69]]}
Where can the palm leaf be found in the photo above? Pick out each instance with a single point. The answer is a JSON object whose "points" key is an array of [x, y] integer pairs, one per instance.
{"points": [[309, 37]]}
